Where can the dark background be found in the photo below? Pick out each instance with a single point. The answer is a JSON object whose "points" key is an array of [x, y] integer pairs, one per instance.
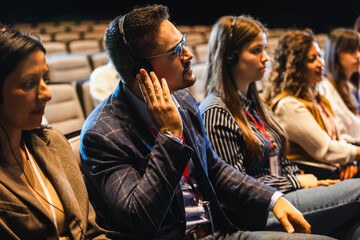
{"points": [[320, 16]]}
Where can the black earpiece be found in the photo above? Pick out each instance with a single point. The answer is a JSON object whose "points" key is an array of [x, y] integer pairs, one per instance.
{"points": [[231, 57], [138, 63]]}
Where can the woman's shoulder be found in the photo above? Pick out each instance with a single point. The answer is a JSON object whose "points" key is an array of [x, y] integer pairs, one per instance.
{"points": [[288, 104], [282, 99], [211, 102], [49, 135]]}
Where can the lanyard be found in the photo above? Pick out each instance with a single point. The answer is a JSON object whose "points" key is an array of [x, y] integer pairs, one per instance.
{"points": [[261, 126], [332, 127], [154, 132]]}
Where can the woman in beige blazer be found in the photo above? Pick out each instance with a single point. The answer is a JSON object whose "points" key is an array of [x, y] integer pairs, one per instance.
{"points": [[42, 192]]}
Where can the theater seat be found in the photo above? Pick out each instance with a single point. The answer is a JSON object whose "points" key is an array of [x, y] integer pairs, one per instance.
{"points": [[74, 141], [66, 36], [55, 48], [86, 100], [86, 46], [70, 67], [64, 111], [98, 59]]}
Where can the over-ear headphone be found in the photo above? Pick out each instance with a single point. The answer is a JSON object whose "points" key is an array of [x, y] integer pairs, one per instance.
{"points": [[138, 63], [231, 57]]}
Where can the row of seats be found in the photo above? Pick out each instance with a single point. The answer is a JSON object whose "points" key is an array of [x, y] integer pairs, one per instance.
{"points": [[93, 46], [71, 102], [86, 46], [52, 27], [69, 36], [67, 66]]}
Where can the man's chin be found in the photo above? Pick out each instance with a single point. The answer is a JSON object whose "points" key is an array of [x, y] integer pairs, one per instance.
{"points": [[189, 79]]}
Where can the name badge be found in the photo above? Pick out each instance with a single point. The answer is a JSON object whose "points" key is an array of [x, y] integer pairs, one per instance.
{"points": [[275, 168]]}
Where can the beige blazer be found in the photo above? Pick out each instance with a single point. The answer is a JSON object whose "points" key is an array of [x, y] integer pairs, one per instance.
{"points": [[22, 216]]}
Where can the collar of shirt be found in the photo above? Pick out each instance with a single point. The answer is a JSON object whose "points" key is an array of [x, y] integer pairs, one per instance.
{"points": [[141, 108], [246, 101]]}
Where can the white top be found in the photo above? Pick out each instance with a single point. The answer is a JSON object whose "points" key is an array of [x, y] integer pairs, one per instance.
{"points": [[103, 81], [45, 192], [347, 123], [302, 128]]}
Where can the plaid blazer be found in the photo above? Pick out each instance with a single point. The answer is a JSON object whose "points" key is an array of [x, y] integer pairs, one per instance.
{"points": [[133, 178]]}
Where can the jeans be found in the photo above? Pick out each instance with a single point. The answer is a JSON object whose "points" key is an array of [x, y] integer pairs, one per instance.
{"points": [[326, 208], [263, 235]]}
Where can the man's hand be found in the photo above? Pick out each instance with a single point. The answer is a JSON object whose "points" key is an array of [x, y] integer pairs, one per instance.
{"points": [[159, 103], [309, 181], [292, 220]]}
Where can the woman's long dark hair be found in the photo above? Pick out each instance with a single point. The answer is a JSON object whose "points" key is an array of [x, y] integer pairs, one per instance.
{"points": [[341, 40]]}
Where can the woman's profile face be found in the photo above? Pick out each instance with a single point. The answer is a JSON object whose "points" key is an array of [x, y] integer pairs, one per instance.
{"points": [[349, 62], [25, 93], [252, 59], [314, 65]]}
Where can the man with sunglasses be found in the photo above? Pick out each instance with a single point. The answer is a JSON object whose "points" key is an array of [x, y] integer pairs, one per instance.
{"points": [[150, 169]]}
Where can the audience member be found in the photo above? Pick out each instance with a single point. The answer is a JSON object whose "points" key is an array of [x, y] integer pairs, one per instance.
{"points": [[148, 163], [103, 82], [244, 132], [342, 61], [42, 191], [304, 114]]}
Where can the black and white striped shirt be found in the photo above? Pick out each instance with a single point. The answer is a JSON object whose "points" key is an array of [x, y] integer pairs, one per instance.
{"points": [[227, 139]]}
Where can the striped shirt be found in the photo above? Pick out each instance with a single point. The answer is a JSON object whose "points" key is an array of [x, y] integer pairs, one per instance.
{"points": [[227, 139]]}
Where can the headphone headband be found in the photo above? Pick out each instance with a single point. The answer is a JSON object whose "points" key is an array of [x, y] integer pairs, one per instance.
{"points": [[121, 25], [232, 30], [138, 63], [122, 33], [231, 57]]}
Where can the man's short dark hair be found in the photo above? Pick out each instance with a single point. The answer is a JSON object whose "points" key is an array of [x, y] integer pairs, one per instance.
{"points": [[141, 26]]}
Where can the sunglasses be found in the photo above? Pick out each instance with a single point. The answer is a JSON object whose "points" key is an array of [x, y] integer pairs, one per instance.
{"points": [[179, 49]]}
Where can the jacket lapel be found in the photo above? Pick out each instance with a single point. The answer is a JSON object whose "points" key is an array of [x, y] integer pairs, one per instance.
{"points": [[123, 109], [49, 161], [11, 179]]}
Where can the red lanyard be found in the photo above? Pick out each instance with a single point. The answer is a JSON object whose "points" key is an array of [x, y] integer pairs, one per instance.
{"points": [[186, 171], [260, 125], [329, 121]]}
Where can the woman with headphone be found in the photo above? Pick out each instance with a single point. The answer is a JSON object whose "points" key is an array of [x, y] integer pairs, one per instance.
{"points": [[42, 192], [244, 132]]}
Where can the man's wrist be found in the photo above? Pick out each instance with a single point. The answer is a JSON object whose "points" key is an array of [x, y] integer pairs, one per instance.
{"points": [[274, 199], [172, 136]]}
